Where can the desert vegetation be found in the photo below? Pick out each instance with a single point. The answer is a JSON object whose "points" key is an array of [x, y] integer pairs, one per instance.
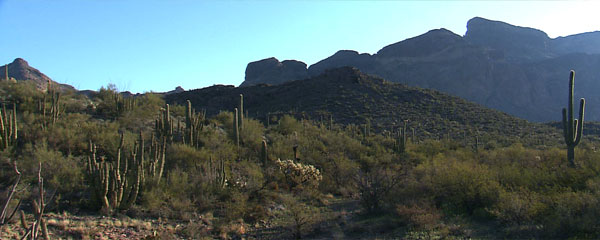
{"points": [[112, 166]]}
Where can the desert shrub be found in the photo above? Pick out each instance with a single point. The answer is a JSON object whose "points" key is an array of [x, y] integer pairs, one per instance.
{"points": [[518, 207], [287, 125], [66, 134], [142, 115], [299, 217], [459, 186], [24, 93], [571, 215], [246, 176], [252, 135], [184, 156], [63, 175], [422, 216], [174, 198], [106, 106], [375, 184]]}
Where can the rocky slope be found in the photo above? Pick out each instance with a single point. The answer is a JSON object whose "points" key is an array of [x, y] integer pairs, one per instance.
{"points": [[352, 97], [20, 70], [517, 70]]}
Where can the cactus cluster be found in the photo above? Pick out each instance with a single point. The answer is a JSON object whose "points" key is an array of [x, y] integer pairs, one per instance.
{"points": [[157, 151], [572, 128], [164, 124], [8, 127], [400, 144], [123, 104], [116, 183], [49, 106], [216, 173], [193, 125]]}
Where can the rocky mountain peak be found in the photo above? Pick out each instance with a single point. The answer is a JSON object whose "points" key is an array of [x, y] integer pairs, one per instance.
{"points": [[19, 69], [272, 71], [20, 62], [422, 45], [519, 43]]}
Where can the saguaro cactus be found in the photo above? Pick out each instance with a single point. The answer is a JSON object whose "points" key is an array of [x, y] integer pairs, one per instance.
{"points": [[241, 117], [264, 153], [572, 128], [236, 129]]}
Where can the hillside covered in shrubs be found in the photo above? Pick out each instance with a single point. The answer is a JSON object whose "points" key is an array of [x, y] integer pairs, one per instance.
{"points": [[180, 172]]}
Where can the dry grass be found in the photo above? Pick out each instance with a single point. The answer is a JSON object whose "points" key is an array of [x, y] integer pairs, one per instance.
{"points": [[65, 226]]}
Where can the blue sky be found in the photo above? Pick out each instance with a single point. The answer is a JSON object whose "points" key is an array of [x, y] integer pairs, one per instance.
{"points": [[157, 45]]}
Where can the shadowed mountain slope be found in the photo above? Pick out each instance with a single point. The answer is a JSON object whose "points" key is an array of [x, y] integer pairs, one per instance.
{"points": [[517, 70], [352, 97]]}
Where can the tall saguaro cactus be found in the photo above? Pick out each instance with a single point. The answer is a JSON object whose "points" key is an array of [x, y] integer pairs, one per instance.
{"points": [[241, 117], [264, 153], [236, 128], [572, 128]]}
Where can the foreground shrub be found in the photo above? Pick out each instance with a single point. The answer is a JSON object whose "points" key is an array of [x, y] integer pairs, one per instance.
{"points": [[419, 216], [459, 186]]}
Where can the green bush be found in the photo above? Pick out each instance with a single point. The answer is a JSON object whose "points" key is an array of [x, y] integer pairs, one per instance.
{"points": [[459, 186]]}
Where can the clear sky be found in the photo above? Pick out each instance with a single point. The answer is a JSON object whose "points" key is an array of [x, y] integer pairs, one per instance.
{"points": [[157, 45]]}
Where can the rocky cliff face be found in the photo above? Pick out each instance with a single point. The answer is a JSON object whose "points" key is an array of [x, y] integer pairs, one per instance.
{"points": [[518, 43], [271, 71], [518, 70]]}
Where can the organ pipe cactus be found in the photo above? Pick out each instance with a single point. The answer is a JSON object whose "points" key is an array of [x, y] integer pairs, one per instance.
{"points": [[572, 128], [216, 173], [8, 127], [116, 184], [193, 124], [123, 104], [402, 138], [164, 124], [55, 110]]}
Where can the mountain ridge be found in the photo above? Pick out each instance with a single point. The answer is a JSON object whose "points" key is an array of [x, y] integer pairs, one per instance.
{"points": [[495, 64]]}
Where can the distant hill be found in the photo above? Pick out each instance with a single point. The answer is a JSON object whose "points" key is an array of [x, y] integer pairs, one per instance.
{"points": [[20, 70], [352, 97], [517, 70]]}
